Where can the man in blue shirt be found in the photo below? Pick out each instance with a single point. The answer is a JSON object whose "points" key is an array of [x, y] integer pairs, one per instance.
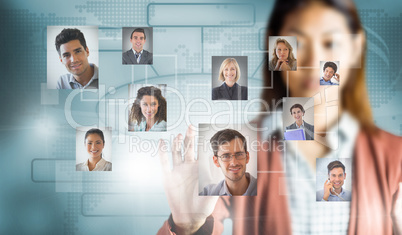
{"points": [[333, 190], [329, 72], [73, 53], [231, 156]]}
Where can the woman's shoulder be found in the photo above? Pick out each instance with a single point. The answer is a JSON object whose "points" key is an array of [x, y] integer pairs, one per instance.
{"points": [[162, 123], [139, 126], [81, 166], [380, 142], [108, 166], [216, 94], [160, 126], [382, 137], [308, 124], [378, 155], [217, 88], [291, 126]]}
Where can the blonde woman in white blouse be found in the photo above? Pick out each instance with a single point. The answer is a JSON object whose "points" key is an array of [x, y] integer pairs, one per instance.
{"points": [[94, 143]]}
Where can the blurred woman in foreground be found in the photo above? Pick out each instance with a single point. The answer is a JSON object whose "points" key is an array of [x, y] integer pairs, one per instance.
{"points": [[285, 199]]}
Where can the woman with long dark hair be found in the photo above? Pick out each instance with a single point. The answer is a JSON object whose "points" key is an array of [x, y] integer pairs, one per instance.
{"points": [[285, 201], [148, 112]]}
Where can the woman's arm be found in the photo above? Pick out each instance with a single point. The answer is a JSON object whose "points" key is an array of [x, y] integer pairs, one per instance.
{"points": [[189, 211]]}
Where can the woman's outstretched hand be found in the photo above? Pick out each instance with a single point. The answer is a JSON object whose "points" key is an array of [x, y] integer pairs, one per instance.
{"points": [[189, 211]]}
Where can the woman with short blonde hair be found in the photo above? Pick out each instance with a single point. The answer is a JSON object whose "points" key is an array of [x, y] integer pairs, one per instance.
{"points": [[229, 74]]}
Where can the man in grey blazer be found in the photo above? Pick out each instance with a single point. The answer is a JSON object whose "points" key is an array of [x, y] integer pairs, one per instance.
{"points": [[137, 55], [297, 111]]}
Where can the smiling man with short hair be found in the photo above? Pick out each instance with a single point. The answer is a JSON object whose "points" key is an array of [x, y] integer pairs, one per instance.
{"points": [[333, 190], [329, 71], [73, 53], [231, 156]]}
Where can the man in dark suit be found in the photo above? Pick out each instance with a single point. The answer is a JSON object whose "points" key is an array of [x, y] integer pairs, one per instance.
{"points": [[137, 55]]}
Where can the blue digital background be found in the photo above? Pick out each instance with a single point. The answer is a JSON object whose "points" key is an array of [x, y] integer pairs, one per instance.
{"points": [[40, 191]]}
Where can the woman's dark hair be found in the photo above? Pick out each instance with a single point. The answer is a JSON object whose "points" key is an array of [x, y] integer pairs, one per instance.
{"points": [[354, 96], [136, 114], [67, 35], [95, 131], [297, 106]]}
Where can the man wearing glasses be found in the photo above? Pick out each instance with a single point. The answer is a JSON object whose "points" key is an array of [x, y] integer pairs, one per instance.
{"points": [[230, 154]]}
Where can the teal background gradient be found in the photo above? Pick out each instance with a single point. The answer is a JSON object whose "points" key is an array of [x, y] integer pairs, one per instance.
{"points": [[40, 191]]}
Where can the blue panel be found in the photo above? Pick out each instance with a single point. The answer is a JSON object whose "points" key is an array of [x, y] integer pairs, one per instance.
{"points": [[202, 15]]}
